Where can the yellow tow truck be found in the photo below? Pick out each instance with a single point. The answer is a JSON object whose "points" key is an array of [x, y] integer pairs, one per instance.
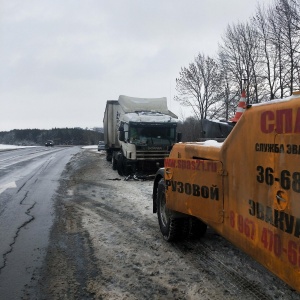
{"points": [[246, 188]]}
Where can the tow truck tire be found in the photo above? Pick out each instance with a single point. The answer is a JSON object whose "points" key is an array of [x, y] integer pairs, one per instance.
{"points": [[197, 228], [171, 228]]}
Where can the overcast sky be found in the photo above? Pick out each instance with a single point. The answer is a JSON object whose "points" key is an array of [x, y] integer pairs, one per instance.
{"points": [[60, 60]]}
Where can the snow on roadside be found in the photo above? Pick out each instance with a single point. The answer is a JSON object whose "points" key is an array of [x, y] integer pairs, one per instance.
{"points": [[90, 147], [10, 147], [93, 148]]}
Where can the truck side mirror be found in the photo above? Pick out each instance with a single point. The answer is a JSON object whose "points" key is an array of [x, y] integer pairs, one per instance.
{"points": [[179, 137]]}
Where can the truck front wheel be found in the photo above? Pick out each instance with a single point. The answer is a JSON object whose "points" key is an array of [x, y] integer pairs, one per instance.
{"points": [[114, 163], [108, 155], [122, 168], [171, 228]]}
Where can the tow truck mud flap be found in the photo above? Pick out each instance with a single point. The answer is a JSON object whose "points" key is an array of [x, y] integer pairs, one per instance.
{"points": [[195, 187]]}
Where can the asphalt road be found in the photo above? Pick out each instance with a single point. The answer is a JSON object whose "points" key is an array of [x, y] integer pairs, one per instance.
{"points": [[28, 181]]}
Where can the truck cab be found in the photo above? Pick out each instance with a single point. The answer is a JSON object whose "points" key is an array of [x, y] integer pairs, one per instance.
{"points": [[144, 145], [139, 134]]}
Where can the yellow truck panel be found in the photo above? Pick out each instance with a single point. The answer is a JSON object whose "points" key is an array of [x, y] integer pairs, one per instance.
{"points": [[246, 188], [201, 193]]}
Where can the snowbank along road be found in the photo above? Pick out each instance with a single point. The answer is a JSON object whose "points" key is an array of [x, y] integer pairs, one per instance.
{"points": [[105, 243]]}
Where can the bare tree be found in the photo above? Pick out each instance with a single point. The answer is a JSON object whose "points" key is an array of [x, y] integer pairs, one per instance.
{"points": [[229, 92], [269, 53], [240, 50], [231, 58], [197, 87], [275, 41], [286, 14], [265, 51]]}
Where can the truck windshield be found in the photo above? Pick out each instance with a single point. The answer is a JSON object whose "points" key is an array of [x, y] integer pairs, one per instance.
{"points": [[154, 135]]}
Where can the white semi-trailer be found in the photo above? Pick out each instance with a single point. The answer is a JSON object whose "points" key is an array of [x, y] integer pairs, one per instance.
{"points": [[138, 133]]}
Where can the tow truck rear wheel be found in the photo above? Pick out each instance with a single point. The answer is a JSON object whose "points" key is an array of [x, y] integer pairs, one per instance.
{"points": [[197, 228], [171, 228]]}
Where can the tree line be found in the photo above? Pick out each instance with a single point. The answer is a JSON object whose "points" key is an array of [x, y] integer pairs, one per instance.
{"points": [[60, 136], [261, 55]]}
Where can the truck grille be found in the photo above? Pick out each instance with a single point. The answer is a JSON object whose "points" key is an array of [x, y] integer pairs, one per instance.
{"points": [[151, 155]]}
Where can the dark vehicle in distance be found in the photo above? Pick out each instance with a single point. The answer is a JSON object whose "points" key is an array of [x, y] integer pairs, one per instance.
{"points": [[49, 143], [101, 146]]}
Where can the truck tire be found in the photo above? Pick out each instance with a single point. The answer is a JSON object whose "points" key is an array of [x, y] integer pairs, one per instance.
{"points": [[171, 228], [120, 168], [114, 163], [197, 228], [108, 156]]}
